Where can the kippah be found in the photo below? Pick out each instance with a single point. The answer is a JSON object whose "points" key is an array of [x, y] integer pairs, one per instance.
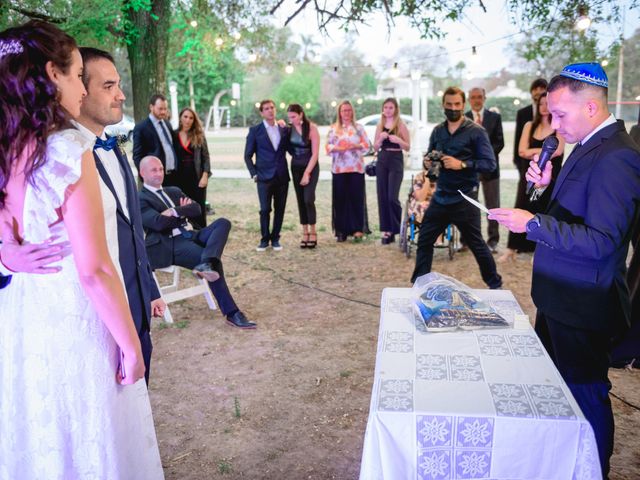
{"points": [[591, 73]]}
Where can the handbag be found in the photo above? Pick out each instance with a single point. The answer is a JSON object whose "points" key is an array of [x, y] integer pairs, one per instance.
{"points": [[370, 168]]}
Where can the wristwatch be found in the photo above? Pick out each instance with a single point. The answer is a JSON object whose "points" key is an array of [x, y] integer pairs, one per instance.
{"points": [[464, 164], [533, 224]]}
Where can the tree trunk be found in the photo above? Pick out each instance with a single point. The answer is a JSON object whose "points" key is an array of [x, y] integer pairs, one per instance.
{"points": [[147, 47]]}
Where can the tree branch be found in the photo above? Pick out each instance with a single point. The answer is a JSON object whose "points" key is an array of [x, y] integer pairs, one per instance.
{"points": [[36, 15]]}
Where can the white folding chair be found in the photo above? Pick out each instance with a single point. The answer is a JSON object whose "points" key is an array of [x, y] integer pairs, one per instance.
{"points": [[172, 293]]}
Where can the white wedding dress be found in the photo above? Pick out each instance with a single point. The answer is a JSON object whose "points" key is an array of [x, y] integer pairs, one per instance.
{"points": [[62, 414]]}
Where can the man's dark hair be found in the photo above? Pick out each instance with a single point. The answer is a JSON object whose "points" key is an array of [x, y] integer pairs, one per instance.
{"points": [[155, 97], [265, 102], [538, 83], [90, 54], [454, 91], [574, 86]]}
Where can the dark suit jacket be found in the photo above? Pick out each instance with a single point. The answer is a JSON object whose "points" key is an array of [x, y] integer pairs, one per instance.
{"points": [[579, 264], [523, 116], [270, 164], [492, 123], [159, 227], [138, 281], [146, 141], [4, 281]]}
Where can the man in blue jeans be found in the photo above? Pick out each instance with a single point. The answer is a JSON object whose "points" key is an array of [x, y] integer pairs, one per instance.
{"points": [[466, 151], [267, 142]]}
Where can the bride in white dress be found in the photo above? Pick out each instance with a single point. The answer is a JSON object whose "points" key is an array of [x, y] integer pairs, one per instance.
{"points": [[66, 412]]}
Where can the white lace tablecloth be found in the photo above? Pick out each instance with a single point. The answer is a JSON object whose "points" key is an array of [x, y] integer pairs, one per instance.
{"points": [[470, 404]]}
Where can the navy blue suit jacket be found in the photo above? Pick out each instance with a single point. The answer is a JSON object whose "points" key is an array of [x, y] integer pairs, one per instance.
{"points": [[138, 281], [270, 163], [146, 141], [4, 281], [579, 263], [492, 123]]}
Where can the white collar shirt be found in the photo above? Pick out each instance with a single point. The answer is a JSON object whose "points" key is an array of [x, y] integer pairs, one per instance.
{"points": [[165, 135], [609, 121], [274, 133], [176, 231]]}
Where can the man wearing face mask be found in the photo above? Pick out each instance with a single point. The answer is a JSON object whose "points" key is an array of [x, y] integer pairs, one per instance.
{"points": [[466, 151]]}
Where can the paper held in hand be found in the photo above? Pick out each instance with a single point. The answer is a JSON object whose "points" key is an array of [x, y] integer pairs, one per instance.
{"points": [[472, 201]]}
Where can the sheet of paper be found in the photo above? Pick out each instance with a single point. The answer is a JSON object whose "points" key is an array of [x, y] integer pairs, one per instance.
{"points": [[472, 201]]}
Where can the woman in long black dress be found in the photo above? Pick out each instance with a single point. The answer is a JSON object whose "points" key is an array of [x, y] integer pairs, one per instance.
{"points": [[303, 145], [533, 135], [194, 168]]}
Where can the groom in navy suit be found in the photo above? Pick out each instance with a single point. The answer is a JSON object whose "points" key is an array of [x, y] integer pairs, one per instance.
{"points": [[582, 240], [267, 142], [101, 107]]}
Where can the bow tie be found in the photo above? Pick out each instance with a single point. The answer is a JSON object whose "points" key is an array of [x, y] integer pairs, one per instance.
{"points": [[107, 145]]}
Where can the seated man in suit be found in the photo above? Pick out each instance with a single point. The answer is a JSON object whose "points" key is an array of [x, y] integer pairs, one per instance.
{"points": [[154, 136], [172, 240]]}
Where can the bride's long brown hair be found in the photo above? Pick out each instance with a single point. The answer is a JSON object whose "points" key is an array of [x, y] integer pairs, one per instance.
{"points": [[30, 110]]}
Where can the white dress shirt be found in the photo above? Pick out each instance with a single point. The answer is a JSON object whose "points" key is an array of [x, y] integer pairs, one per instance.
{"points": [[274, 133], [161, 127], [176, 231], [609, 121]]}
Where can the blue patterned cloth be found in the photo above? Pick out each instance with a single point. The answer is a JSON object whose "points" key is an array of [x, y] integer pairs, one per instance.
{"points": [[591, 73]]}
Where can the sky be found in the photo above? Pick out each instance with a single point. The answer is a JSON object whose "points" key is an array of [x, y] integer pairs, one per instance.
{"points": [[486, 31]]}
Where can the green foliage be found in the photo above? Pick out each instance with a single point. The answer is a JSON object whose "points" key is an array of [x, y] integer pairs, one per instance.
{"points": [[302, 86]]}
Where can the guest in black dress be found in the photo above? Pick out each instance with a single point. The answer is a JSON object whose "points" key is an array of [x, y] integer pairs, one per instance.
{"points": [[533, 135], [303, 145], [392, 136], [194, 167]]}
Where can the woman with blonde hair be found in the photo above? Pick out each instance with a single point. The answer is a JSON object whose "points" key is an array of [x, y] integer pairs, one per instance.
{"points": [[347, 143], [392, 137], [194, 168]]}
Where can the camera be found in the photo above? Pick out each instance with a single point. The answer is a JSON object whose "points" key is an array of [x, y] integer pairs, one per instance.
{"points": [[432, 163]]}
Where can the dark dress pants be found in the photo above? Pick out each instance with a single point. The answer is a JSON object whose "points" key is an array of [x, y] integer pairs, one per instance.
{"points": [[274, 190], [305, 195], [147, 348], [581, 357], [491, 192], [349, 208], [466, 218], [389, 173], [207, 245]]}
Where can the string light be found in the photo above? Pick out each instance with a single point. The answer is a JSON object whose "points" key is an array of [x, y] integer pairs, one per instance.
{"points": [[252, 56], [257, 104], [440, 93], [359, 101], [193, 23], [604, 62], [334, 103], [474, 50], [282, 105], [395, 73], [289, 68], [233, 103], [307, 105], [237, 35], [516, 102], [219, 42], [583, 22]]}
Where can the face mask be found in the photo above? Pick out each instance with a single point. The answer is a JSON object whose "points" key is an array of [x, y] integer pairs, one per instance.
{"points": [[452, 115]]}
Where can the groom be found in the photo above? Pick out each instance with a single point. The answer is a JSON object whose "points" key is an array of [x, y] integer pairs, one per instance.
{"points": [[101, 107]]}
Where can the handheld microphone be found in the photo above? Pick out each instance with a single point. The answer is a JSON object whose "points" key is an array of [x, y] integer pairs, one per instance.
{"points": [[549, 146]]}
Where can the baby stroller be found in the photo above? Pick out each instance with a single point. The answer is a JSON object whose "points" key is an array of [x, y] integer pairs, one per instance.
{"points": [[412, 213]]}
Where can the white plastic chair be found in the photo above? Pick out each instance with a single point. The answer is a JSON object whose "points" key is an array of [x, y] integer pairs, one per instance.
{"points": [[172, 293]]}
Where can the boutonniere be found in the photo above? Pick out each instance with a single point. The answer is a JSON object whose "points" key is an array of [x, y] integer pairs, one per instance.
{"points": [[122, 141]]}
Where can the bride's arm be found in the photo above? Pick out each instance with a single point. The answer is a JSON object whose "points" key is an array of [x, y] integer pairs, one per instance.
{"points": [[84, 220]]}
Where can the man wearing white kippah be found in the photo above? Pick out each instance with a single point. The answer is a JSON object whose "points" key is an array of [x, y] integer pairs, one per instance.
{"points": [[582, 240]]}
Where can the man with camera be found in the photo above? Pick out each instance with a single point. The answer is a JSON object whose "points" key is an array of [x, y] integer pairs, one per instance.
{"points": [[458, 150]]}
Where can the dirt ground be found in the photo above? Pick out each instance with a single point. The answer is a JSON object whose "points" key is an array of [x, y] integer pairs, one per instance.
{"points": [[290, 400]]}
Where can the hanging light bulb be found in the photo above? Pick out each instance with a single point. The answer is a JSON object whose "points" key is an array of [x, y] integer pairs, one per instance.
{"points": [[474, 50], [604, 62], [282, 105], [289, 68], [307, 105], [237, 35], [516, 102], [257, 104], [193, 23], [219, 42], [359, 101], [252, 56], [395, 73], [334, 103], [583, 22], [440, 93], [232, 103]]}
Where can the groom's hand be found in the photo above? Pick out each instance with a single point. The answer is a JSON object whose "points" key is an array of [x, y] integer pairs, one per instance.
{"points": [[158, 307], [29, 258]]}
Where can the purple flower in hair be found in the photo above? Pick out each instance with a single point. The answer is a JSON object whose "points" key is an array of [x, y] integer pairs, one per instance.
{"points": [[10, 47]]}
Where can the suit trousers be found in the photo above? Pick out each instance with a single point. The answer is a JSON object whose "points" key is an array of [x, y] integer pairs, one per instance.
{"points": [[466, 218], [207, 245], [349, 203], [389, 173], [306, 195], [491, 192], [272, 191], [581, 357]]}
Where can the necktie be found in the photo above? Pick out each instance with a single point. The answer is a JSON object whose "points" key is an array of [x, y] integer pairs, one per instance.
{"points": [[478, 118], [107, 145], [167, 137], [165, 199]]}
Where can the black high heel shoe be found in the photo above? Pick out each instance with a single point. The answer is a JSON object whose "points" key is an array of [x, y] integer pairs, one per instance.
{"points": [[312, 243]]}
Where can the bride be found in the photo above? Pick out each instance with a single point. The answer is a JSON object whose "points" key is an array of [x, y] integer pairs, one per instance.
{"points": [[71, 401]]}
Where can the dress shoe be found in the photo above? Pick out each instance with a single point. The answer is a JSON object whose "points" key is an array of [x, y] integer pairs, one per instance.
{"points": [[262, 247], [206, 271], [275, 244], [239, 320], [462, 249], [341, 238], [493, 247]]}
